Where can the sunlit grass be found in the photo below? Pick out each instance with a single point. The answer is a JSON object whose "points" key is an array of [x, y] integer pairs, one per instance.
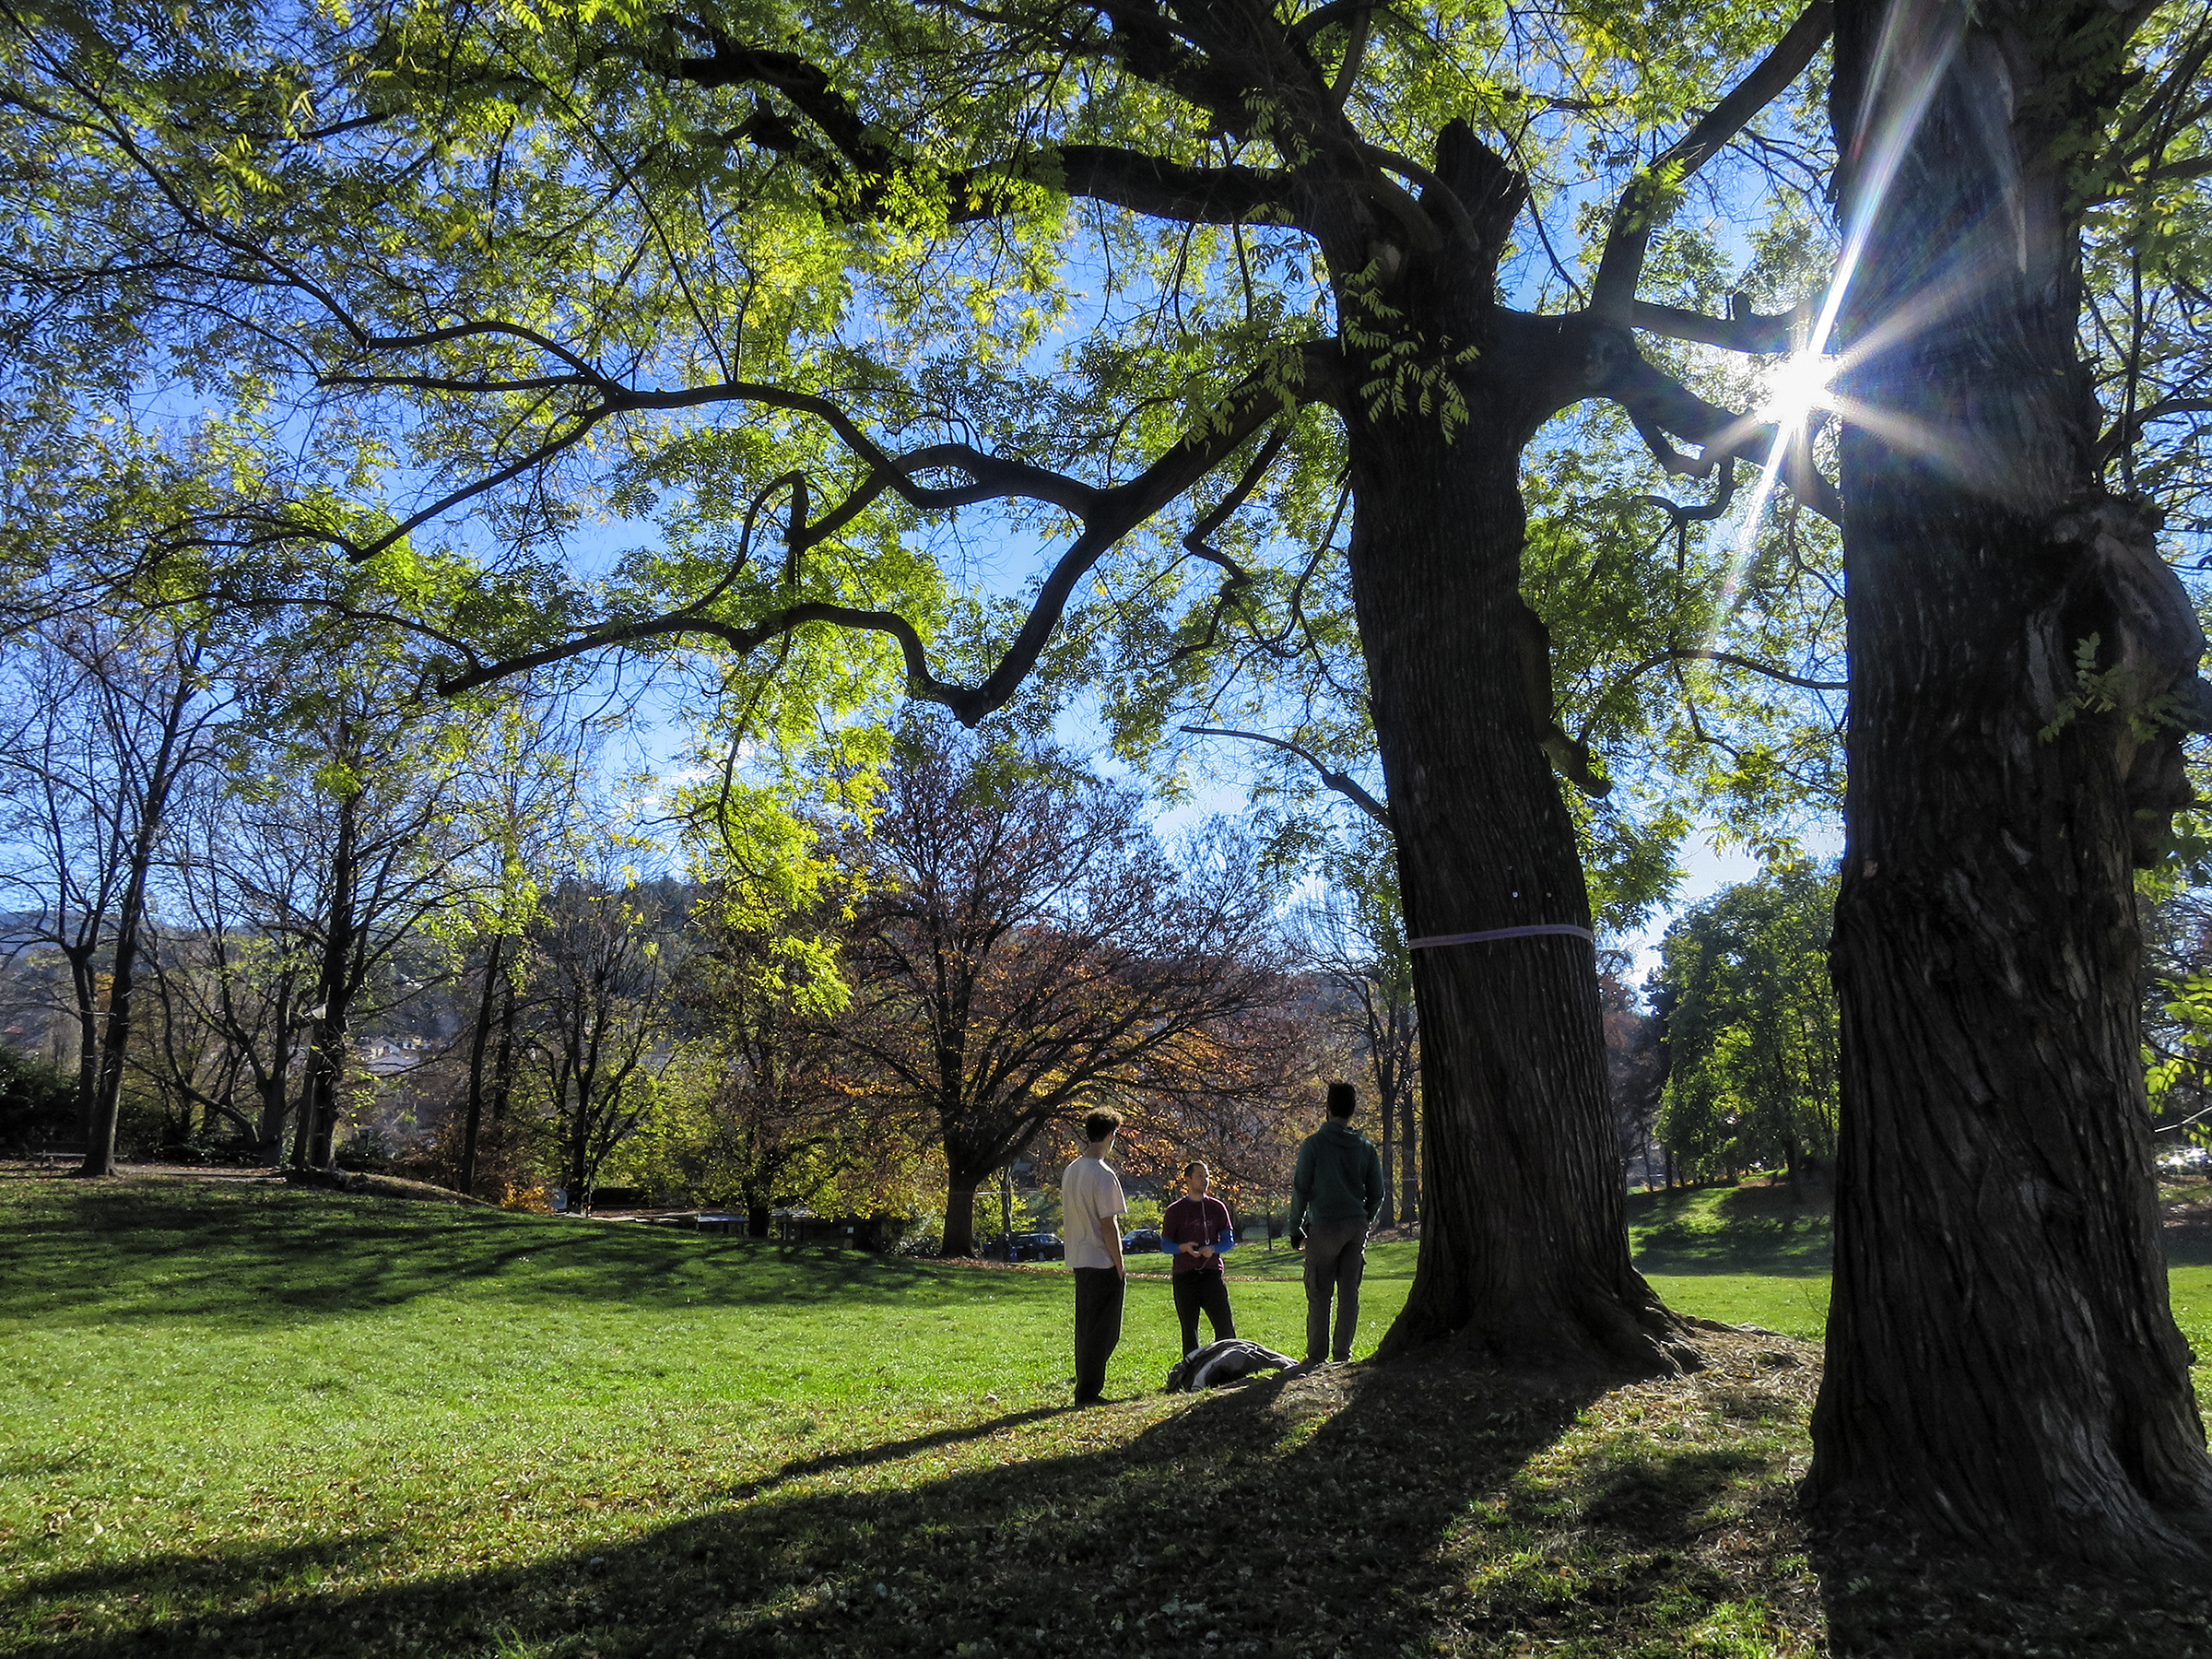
{"points": [[255, 1420]]}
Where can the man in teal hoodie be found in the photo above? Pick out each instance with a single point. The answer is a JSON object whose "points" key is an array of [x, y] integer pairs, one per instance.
{"points": [[1334, 1198]]}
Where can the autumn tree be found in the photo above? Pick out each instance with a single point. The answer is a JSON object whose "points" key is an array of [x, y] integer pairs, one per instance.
{"points": [[776, 1114], [598, 1023], [1029, 949]]}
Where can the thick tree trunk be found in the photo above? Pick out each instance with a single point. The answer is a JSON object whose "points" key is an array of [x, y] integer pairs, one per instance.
{"points": [[1524, 1251], [959, 1211], [2003, 1366], [580, 1159]]}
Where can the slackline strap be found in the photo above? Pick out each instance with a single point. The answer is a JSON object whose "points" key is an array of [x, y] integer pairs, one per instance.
{"points": [[1501, 932]]}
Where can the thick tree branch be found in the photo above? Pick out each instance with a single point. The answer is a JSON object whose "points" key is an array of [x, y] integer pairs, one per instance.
{"points": [[1745, 331], [1343, 783], [1613, 291], [1146, 185], [1656, 402]]}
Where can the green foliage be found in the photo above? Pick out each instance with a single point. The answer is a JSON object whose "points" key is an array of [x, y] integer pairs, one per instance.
{"points": [[1752, 1021], [37, 1102], [519, 248]]}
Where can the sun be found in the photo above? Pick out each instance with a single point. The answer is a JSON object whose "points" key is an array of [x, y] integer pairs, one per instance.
{"points": [[1796, 386]]}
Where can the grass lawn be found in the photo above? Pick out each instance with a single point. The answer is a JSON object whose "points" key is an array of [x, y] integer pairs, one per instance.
{"points": [[245, 1419]]}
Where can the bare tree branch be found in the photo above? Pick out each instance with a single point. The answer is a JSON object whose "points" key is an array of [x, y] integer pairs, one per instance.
{"points": [[2125, 432], [1689, 654], [1342, 783]]}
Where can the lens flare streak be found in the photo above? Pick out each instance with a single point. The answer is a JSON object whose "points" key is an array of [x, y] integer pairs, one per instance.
{"points": [[1910, 60]]}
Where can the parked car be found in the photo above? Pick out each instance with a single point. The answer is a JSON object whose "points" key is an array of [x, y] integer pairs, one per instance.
{"points": [[2182, 1160], [1140, 1239], [1035, 1247]]}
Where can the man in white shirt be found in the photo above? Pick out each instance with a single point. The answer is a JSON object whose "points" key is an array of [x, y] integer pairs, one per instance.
{"points": [[1092, 1209]]}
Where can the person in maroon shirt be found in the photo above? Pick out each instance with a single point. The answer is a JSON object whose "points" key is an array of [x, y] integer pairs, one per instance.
{"points": [[1197, 1231]]}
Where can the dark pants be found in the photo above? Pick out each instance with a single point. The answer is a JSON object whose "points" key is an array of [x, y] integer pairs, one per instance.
{"points": [[1336, 1257], [1206, 1291], [1098, 1327]]}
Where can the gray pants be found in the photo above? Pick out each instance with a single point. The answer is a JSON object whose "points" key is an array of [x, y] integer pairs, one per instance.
{"points": [[1336, 1257]]}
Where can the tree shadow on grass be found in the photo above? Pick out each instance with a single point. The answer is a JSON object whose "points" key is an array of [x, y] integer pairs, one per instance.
{"points": [[1890, 1596], [864, 1457], [1749, 1230], [153, 1250], [1371, 1512], [242, 1570]]}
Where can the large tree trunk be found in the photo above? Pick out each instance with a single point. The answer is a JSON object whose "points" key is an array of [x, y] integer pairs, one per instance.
{"points": [[2002, 1364], [1524, 1251], [959, 1211]]}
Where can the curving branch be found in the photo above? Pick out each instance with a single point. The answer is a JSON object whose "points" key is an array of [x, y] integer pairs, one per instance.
{"points": [[1199, 544], [1658, 404], [1680, 517], [1108, 513], [1620, 266], [1342, 783], [2125, 432]]}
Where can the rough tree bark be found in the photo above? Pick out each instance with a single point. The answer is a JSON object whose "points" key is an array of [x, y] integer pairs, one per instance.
{"points": [[1524, 1251], [959, 1206], [2002, 1364]]}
